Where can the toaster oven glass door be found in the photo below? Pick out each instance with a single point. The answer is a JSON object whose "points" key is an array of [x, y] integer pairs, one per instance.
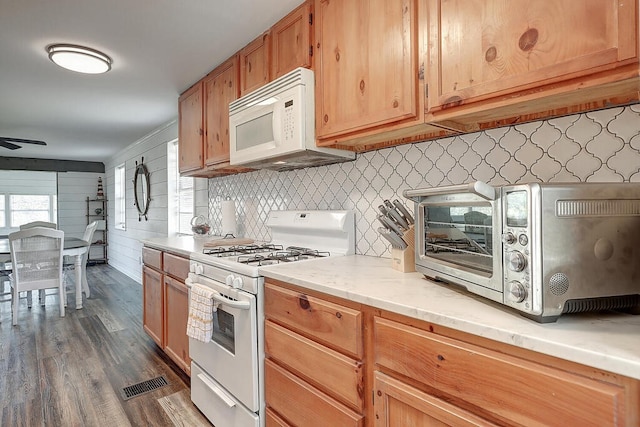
{"points": [[460, 234]]}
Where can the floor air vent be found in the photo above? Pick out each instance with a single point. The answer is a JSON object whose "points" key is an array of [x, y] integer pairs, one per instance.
{"points": [[143, 387]]}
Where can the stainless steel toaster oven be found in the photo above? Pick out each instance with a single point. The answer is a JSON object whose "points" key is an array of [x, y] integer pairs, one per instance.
{"points": [[544, 249]]}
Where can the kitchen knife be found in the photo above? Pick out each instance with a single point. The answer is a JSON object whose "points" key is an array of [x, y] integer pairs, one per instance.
{"points": [[405, 213], [392, 238], [392, 213], [390, 225]]}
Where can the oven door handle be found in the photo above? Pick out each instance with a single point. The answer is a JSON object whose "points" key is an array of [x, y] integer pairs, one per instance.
{"points": [[242, 305], [479, 188], [215, 389]]}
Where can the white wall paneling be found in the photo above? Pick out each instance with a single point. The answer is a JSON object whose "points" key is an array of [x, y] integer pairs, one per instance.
{"points": [[125, 247]]}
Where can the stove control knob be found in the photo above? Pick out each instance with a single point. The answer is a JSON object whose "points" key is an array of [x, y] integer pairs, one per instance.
{"points": [[197, 268], [237, 282], [516, 261], [229, 280], [517, 291]]}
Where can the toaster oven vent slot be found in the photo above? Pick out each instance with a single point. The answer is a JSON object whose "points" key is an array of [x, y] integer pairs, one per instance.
{"points": [[595, 208], [604, 303]]}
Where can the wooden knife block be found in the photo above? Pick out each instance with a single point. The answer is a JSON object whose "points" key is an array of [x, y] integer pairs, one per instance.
{"points": [[404, 260]]}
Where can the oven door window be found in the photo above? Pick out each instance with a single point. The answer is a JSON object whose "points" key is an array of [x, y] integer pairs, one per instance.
{"points": [[461, 234], [224, 330]]}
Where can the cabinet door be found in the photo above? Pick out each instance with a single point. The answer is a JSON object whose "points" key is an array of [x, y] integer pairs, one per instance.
{"points": [[190, 129], [254, 64], [400, 405], [291, 45], [367, 64], [220, 87], [176, 313], [153, 303], [486, 48]]}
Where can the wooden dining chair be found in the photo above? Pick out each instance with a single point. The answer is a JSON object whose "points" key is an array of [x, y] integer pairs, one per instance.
{"points": [[36, 258], [39, 224]]}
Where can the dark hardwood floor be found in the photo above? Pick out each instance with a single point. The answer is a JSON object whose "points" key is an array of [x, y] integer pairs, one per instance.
{"points": [[69, 371]]}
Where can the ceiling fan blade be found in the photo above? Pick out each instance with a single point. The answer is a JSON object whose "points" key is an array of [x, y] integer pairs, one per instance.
{"points": [[23, 141], [8, 145]]}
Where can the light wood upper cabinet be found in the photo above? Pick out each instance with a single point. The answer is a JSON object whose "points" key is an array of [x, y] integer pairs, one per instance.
{"points": [[291, 41], [369, 70], [493, 49], [220, 88], [190, 129], [367, 65], [255, 64]]}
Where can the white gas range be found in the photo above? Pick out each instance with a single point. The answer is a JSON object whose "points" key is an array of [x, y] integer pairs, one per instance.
{"points": [[227, 373]]}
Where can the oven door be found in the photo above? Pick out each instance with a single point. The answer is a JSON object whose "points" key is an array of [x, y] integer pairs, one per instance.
{"points": [[231, 357], [459, 238]]}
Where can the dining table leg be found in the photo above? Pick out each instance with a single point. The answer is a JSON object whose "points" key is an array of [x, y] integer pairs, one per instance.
{"points": [[78, 272]]}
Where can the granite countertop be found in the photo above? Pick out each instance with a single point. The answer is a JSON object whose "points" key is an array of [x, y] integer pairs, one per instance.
{"points": [[606, 341]]}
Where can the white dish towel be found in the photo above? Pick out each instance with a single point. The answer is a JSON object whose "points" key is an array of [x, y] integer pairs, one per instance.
{"points": [[201, 309]]}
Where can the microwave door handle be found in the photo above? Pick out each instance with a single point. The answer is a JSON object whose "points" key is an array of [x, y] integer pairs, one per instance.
{"points": [[480, 188]]}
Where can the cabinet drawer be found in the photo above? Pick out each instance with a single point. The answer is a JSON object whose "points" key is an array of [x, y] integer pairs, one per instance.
{"points": [[514, 389], [338, 374], [332, 324], [176, 266], [301, 404], [152, 257]]}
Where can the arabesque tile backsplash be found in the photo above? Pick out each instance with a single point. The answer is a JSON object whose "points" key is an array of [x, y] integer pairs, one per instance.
{"points": [[601, 146]]}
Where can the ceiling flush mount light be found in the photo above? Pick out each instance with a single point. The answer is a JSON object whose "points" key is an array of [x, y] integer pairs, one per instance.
{"points": [[79, 58]]}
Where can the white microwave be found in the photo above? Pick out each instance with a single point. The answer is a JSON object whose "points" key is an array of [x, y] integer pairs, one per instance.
{"points": [[273, 126]]}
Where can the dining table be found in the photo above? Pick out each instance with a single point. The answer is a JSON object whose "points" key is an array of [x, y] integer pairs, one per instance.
{"points": [[73, 247]]}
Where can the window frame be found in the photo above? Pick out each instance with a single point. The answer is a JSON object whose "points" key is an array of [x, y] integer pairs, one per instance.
{"points": [[120, 197]]}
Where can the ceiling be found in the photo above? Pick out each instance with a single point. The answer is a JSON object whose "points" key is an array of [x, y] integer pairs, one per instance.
{"points": [[159, 49]]}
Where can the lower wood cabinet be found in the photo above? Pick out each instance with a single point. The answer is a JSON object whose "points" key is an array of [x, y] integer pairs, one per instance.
{"points": [[314, 373], [166, 303], [334, 362], [176, 313], [398, 404], [153, 300]]}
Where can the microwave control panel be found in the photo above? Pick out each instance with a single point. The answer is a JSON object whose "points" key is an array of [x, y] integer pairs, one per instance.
{"points": [[289, 120]]}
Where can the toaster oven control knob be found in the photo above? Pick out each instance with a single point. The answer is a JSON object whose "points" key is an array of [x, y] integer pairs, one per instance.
{"points": [[517, 291], [509, 238], [516, 261]]}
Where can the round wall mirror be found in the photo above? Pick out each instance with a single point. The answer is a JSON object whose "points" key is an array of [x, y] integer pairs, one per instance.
{"points": [[142, 190]]}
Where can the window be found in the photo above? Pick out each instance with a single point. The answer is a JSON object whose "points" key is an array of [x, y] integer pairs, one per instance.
{"points": [[119, 202], [181, 192], [28, 208], [27, 196]]}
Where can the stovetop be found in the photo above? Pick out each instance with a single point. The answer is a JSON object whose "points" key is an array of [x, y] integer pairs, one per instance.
{"points": [[296, 235], [265, 254]]}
